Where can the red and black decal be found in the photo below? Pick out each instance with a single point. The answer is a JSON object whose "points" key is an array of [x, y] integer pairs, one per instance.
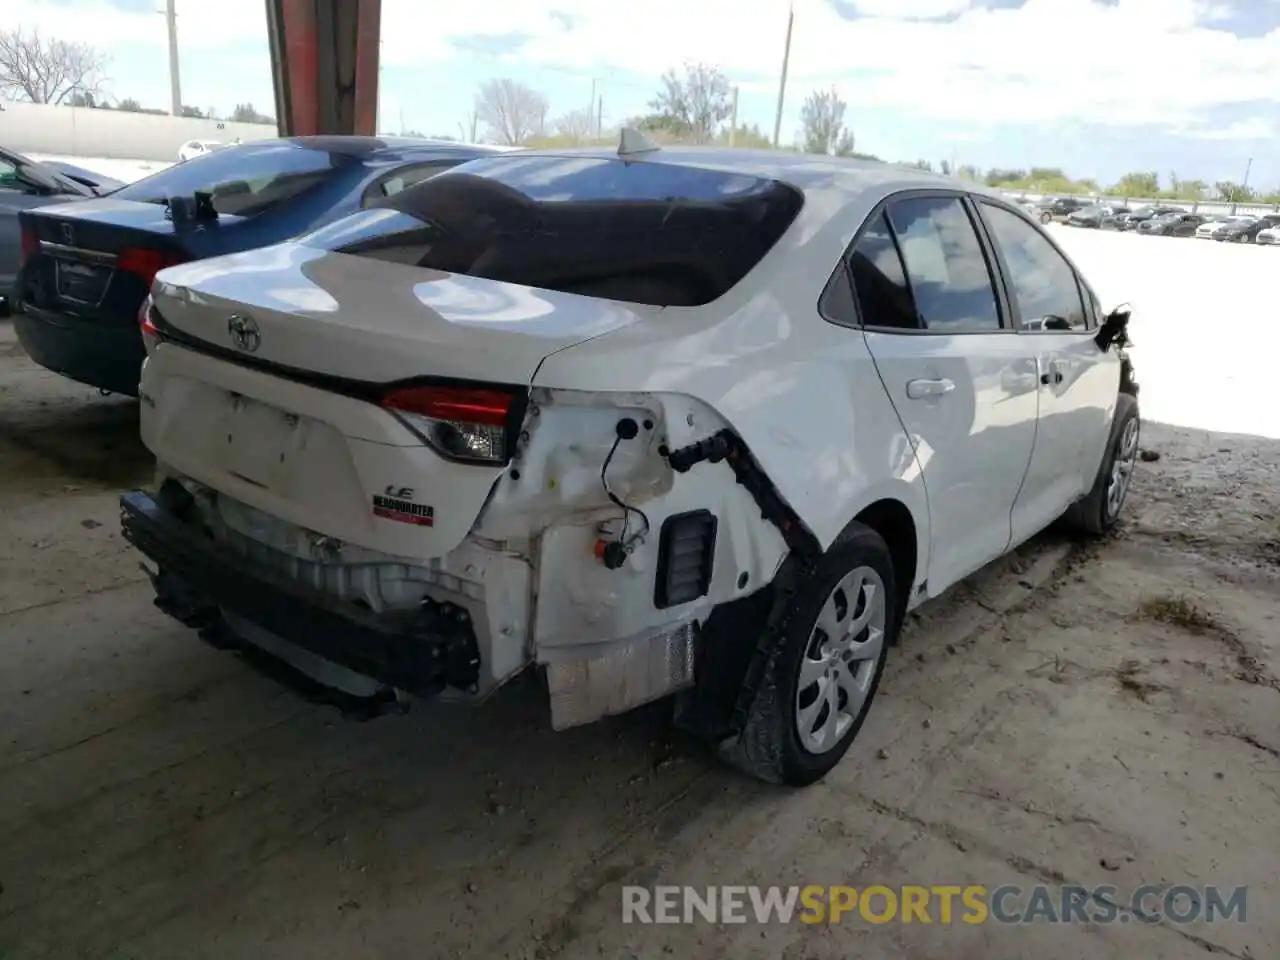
{"points": [[404, 511]]}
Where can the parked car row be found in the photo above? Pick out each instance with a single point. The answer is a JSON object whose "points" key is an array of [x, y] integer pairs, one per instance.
{"points": [[1160, 220], [449, 414]]}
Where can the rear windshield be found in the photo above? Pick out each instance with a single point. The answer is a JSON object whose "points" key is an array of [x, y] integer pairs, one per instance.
{"points": [[244, 180], [640, 232]]}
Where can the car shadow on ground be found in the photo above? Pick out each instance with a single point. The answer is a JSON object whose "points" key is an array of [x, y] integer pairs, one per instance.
{"points": [[88, 439]]}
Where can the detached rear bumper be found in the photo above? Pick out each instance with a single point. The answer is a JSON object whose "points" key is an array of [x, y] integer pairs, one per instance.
{"points": [[199, 580]]}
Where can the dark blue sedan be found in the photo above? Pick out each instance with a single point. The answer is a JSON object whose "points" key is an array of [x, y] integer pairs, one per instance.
{"points": [[87, 266]]}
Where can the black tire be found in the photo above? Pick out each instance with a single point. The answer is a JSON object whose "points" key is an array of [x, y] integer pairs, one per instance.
{"points": [[1045, 217], [1098, 513], [771, 746]]}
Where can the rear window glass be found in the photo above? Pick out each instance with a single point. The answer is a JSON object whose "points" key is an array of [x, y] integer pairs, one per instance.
{"points": [[645, 232], [244, 181]]}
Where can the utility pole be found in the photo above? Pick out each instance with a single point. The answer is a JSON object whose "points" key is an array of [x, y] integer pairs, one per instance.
{"points": [[782, 84], [600, 117], [733, 120], [175, 83], [1245, 183], [377, 104]]}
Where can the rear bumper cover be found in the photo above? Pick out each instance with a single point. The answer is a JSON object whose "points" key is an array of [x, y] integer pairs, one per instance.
{"points": [[422, 654], [96, 352]]}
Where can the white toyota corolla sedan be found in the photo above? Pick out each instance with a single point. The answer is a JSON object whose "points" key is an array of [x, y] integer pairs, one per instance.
{"points": [[687, 421]]}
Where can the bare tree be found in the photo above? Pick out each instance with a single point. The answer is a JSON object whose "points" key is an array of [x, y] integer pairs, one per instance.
{"points": [[694, 105], [47, 71], [510, 111], [822, 123], [576, 125]]}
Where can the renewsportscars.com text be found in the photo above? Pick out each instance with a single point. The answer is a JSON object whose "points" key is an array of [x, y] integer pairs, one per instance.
{"points": [[940, 904]]}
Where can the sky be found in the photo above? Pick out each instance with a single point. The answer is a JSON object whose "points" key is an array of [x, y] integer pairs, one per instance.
{"points": [[1097, 87]]}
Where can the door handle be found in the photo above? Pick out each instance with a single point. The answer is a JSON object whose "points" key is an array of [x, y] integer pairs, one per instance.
{"points": [[1053, 374], [920, 389]]}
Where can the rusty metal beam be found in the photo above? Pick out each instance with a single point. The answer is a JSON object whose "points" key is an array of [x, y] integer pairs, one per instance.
{"points": [[324, 62]]}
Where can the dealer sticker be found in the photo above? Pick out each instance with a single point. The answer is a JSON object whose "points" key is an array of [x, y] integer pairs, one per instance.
{"points": [[395, 503]]}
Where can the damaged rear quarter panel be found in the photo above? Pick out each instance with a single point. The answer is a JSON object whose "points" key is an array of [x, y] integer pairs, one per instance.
{"points": [[803, 394], [553, 504]]}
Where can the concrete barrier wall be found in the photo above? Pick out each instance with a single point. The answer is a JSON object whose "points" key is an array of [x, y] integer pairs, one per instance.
{"points": [[82, 132]]}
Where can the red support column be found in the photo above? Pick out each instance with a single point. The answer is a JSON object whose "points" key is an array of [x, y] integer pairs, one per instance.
{"points": [[324, 59]]}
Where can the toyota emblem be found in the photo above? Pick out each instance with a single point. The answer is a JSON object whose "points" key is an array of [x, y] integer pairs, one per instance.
{"points": [[244, 333], [68, 235]]}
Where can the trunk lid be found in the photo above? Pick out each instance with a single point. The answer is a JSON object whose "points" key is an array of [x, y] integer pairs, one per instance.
{"points": [[336, 315], [98, 257], [289, 421]]}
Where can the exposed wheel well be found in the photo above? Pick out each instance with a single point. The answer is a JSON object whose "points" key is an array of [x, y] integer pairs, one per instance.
{"points": [[892, 520]]}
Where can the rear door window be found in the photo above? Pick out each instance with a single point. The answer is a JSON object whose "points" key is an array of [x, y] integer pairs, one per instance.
{"points": [[244, 181], [945, 264], [647, 232]]}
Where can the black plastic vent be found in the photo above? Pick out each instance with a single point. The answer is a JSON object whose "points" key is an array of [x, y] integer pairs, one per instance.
{"points": [[686, 558]]}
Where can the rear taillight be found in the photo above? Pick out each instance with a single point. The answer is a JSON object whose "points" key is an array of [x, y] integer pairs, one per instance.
{"points": [[30, 243], [470, 424], [150, 333], [146, 262], [144, 317]]}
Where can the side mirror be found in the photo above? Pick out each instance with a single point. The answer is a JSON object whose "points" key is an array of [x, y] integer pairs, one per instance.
{"points": [[1114, 329]]}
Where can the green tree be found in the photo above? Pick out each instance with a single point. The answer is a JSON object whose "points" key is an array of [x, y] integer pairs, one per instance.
{"points": [[1138, 184], [245, 113], [747, 136], [694, 105], [998, 177], [822, 122], [1233, 192]]}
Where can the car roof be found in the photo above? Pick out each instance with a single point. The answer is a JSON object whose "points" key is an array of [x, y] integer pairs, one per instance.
{"points": [[383, 147], [801, 170]]}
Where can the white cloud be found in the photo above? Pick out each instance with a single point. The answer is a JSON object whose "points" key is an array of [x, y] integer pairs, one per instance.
{"points": [[1139, 61], [910, 9], [1254, 128]]}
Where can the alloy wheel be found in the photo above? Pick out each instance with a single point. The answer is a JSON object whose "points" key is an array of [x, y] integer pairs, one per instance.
{"points": [[1122, 468], [839, 666]]}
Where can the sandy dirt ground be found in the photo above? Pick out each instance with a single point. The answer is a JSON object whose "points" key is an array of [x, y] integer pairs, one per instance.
{"points": [[1077, 713]]}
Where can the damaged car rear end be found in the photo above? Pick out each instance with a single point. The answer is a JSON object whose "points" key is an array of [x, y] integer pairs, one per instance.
{"points": [[361, 471]]}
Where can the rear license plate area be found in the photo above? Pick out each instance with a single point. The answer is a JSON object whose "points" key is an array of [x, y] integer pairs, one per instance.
{"points": [[261, 440], [80, 282]]}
